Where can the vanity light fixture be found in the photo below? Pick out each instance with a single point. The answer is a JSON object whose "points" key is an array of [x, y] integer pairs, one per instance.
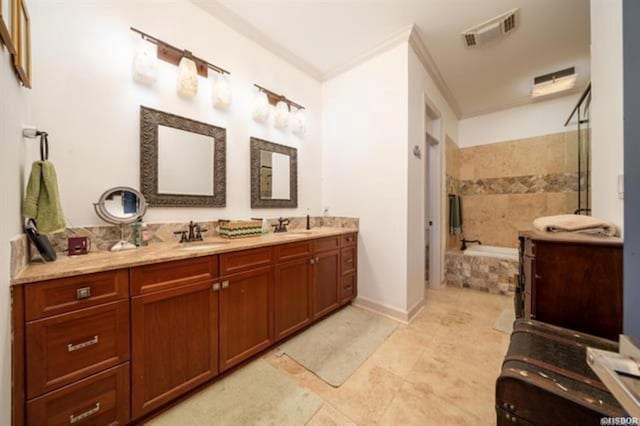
{"points": [[283, 108], [189, 66], [221, 93], [187, 77], [145, 63]]}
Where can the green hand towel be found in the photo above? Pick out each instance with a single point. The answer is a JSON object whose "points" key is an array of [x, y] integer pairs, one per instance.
{"points": [[42, 200]]}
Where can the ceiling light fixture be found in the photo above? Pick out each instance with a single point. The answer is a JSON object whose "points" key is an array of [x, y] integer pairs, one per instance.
{"points": [[261, 107], [281, 116], [555, 82], [285, 109], [187, 77], [298, 122]]}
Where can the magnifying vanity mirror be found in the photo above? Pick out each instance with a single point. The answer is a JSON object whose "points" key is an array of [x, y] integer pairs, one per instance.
{"points": [[182, 161], [274, 175], [121, 206]]}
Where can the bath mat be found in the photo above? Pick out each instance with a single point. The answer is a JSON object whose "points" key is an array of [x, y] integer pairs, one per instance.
{"points": [[505, 320], [256, 394], [334, 348]]}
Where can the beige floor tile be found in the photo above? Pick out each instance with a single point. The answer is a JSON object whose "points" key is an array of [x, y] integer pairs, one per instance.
{"points": [[328, 415], [413, 406], [401, 351]]}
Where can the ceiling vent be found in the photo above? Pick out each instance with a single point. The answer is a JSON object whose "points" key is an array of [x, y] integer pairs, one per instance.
{"points": [[491, 30]]}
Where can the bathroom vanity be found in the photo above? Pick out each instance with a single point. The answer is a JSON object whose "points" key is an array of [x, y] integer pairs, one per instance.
{"points": [[110, 338]]}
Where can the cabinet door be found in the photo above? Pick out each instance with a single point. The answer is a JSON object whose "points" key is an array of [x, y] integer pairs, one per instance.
{"points": [[292, 296], [174, 343], [326, 283], [246, 315]]}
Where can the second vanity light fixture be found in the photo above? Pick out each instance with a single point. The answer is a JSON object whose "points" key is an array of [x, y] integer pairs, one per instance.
{"points": [[145, 69], [286, 112]]}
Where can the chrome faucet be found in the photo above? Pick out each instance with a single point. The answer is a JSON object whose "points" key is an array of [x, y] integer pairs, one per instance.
{"points": [[281, 226], [193, 234]]}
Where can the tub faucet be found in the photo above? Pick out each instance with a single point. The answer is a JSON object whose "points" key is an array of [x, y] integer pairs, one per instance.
{"points": [[463, 247]]}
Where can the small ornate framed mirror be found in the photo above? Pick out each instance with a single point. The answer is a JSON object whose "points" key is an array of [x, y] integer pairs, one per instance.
{"points": [[182, 161], [274, 175]]}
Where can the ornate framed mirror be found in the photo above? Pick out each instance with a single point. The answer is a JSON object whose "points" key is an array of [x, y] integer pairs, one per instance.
{"points": [[182, 161], [274, 175]]}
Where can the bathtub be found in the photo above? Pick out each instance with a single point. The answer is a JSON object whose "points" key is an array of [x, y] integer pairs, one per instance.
{"points": [[506, 253]]}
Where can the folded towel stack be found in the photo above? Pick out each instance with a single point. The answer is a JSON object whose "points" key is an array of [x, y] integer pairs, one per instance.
{"points": [[575, 223]]}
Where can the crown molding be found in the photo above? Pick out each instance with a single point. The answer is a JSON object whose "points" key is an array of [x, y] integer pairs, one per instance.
{"points": [[237, 23], [420, 49], [401, 36]]}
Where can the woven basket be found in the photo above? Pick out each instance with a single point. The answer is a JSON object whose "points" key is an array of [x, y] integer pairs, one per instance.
{"points": [[239, 228]]}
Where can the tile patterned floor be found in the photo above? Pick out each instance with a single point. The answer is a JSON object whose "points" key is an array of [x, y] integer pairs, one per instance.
{"points": [[439, 370]]}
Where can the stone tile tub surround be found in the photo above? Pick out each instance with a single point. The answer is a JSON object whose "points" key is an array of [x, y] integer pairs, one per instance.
{"points": [[452, 183], [489, 273], [506, 185]]}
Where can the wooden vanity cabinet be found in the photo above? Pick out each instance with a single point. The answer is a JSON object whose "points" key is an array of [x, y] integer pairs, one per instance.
{"points": [[326, 276]]}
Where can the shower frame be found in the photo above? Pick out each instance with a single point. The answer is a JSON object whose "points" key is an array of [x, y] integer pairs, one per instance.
{"points": [[582, 115]]}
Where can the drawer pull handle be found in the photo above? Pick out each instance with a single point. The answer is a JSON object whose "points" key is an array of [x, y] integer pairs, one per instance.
{"points": [[350, 260], [83, 293], [75, 419], [225, 284], [75, 347], [348, 288]]}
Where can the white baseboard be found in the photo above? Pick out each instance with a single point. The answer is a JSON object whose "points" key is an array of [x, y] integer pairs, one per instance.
{"points": [[395, 314]]}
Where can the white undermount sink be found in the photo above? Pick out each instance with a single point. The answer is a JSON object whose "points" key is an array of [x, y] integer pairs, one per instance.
{"points": [[202, 246]]}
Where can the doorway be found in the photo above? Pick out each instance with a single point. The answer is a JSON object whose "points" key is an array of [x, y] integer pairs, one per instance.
{"points": [[432, 214]]}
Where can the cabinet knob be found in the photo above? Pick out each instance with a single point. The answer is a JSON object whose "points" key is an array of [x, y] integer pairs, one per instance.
{"points": [[225, 284], [216, 287], [312, 261]]}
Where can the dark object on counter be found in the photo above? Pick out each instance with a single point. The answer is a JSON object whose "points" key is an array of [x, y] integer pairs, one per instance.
{"points": [[78, 246], [193, 234], [308, 222], [572, 281], [42, 243], [545, 379]]}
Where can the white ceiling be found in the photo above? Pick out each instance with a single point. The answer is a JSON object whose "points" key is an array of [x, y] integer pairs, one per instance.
{"points": [[321, 36]]}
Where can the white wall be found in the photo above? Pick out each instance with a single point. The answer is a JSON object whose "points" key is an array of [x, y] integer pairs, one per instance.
{"points": [[536, 119], [607, 131], [85, 97], [422, 90], [13, 113], [365, 168]]}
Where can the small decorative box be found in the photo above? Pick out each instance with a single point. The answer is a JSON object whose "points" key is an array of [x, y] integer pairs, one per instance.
{"points": [[239, 228]]}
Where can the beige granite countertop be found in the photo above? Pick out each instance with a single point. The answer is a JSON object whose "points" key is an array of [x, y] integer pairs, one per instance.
{"points": [[67, 266], [571, 237]]}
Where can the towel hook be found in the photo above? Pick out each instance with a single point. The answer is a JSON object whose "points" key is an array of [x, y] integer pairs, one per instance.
{"points": [[32, 133]]}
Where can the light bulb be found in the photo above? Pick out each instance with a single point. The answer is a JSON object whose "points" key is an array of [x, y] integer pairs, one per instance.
{"points": [[221, 93], [145, 63], [261, 107], [281, 117], [187, 78]]}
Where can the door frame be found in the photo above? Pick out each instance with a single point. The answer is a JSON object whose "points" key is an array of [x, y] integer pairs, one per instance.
{"points": [[435, 194]]}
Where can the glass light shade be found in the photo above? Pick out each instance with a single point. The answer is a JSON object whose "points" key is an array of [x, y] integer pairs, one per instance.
{"points": [[187, 78], [281, 117], [221, 95], [145, 63], [261, 107], [298, 122]]}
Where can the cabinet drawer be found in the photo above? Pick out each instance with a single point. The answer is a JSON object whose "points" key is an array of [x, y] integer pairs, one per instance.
{"points": [[349, 289], [348, 256], [102, 399], [245, 260], [285, 252], [68, 347], [168, 275], [326, 244], [349, 240], [68, 294]]}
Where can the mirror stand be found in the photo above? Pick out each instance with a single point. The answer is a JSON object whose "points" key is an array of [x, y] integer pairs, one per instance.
{"points": [[123, 244]]}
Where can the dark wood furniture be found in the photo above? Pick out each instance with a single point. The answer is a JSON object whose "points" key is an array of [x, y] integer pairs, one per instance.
{"points": [[119, 346], [572, 281]]}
